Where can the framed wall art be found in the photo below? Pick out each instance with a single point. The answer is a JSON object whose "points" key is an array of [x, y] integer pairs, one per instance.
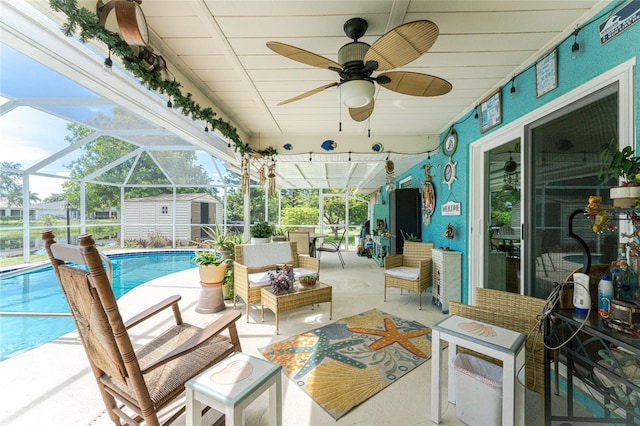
{"points": [[491, 112], [547, 73]]}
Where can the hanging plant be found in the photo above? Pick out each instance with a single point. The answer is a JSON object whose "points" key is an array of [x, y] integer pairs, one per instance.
{"points": [[84, 23]]}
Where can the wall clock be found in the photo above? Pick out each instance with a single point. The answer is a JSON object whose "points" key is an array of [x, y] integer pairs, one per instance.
{"points": [[449, 173], [450, 143]]}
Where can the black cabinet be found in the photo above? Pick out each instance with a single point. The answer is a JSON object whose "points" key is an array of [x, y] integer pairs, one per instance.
{"points": [[405, 217]]}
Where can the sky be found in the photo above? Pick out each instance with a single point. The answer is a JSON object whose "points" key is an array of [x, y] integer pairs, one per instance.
{"points": [[29, 135]]}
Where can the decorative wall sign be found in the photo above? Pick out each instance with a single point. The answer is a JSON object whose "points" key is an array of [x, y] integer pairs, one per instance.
{"points": [[450, 143], [449, 173], [620, 21], [452, 208], [547, 73], [491, 112], [428, 196]]}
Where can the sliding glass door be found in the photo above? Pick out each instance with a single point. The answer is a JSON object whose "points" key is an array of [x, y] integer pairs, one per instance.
{"points": [[562, 157]]}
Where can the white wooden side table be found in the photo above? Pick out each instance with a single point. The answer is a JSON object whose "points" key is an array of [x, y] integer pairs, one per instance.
{"points": [[500, 343], [231, 385]]}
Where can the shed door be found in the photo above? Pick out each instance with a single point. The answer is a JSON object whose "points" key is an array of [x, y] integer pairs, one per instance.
{"points": [[204, 217]]}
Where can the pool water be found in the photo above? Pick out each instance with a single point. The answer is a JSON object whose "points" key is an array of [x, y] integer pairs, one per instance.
{"points": [[39, 291]]}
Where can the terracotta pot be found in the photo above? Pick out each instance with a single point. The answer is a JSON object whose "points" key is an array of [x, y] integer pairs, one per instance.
{"points": [[212, 273]]}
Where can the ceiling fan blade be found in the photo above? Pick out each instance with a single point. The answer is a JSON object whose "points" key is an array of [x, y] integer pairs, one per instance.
{"points": [[403, 44], [307, 94], [415, 84], [362, 113], [303, 56]]}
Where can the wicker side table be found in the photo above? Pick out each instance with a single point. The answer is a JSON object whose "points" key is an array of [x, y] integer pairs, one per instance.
{"points": [[320, 293]]}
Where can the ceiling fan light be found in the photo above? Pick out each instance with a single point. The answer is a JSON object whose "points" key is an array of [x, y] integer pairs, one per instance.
{"points": [[356, 93]]}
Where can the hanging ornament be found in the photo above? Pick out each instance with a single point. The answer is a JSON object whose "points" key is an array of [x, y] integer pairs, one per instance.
{"points": [[272, 178], [244, 168], [449, 232], [261, 175], [428, 195], [389, 168]]}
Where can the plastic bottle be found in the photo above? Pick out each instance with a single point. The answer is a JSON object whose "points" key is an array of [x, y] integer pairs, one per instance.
{"points": [[581, 296], [605, 294]]}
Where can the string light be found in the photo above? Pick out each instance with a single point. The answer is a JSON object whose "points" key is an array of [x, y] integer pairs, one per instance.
{"points": [[513, 87], [309, 157], [349, 155], [107, 68], [169, 103], [575, 47], [206, 128], [476, 114]]}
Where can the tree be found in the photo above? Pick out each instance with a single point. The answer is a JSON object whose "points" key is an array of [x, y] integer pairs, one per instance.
{"points": [[11, 184], [54, 197], [148, 168], [10, 181], [299, 215]]}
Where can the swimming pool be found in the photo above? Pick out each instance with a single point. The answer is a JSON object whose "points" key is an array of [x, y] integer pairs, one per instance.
{"points": [[39, 291]]}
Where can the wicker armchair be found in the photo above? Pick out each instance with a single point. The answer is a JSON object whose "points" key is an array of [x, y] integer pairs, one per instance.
{"points": [[410, 270], [302, 265], [143, 385], [515, 312]]}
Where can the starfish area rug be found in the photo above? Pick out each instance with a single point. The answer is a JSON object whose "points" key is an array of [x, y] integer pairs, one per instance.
{"points": [[345, 363]]}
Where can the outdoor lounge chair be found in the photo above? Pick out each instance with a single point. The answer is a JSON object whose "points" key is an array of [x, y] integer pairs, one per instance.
{"points": [[410, 270], [137, 386]]}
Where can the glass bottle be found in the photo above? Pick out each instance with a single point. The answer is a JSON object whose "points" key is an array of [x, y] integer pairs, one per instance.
{"points": [[625, 280]]}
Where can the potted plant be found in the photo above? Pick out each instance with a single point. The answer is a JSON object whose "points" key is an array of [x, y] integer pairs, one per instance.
{"points": [[278, 234], [624, 166], [307, 281], [212, 268], [227, 286], [218, 239], [261, 233]]}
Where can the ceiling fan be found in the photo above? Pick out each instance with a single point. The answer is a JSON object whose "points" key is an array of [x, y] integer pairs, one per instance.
{"points": [[358, 62]]}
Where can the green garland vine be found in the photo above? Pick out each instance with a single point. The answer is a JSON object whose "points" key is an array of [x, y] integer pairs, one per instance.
{"points": [[85, 23]]}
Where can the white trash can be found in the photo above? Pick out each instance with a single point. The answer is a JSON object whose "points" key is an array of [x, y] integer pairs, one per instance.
{"points": [[478, 390]]}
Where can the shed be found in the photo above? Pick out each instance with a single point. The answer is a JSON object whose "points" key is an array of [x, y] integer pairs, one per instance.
{"points": [[159, 214]]}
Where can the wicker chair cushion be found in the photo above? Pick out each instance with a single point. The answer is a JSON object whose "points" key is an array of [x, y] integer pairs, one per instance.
{"points": [[266, 254], [403, 272], [303, 272], [259, 279], [163, 382]]}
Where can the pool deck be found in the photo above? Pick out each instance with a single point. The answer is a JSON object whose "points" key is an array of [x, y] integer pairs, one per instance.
{"points": [[53, 385]]}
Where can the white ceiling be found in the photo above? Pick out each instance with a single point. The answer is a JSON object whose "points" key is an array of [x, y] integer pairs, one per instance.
{"points": [[220, 47]]}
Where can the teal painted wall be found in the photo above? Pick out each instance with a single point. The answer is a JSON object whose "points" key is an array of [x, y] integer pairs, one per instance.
{"points": [[593, 60]]}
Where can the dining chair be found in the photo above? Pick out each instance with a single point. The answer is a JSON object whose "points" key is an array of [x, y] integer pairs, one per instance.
{"points": [[331, 247], [302, 240], [138, 385]]}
